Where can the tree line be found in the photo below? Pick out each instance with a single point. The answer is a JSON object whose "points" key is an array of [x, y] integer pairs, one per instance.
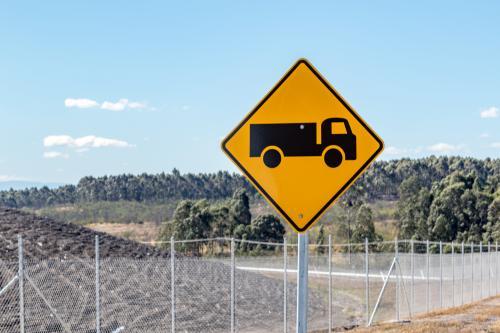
{"points": [[463, 206], [381, 182], [140, 188]]}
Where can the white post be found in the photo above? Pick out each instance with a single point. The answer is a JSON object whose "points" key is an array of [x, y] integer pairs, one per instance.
{"points": [[396, 255], [440, 274], [412, 263], [172, 282], [367, 282], [472, 269], [233, 301], [97, 288], [428, 280], [285, 285], [481, 269], [489, 269], [463, 274], [453, 273], [302, 288], [21, 282], [330, 295]]}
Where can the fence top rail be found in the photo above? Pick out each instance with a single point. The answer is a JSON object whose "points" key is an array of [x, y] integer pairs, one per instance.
{"points": [[242, 241], [321, 245]]}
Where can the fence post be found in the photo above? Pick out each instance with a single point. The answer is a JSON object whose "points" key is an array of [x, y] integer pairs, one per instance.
{"points": [[440, 274], [97, 287], [496, 268], [367, 282], [489, 269], [285, 285], [233, 301], [463, 273], [396, 255], [453, 273], [472, 269], [21, 282], [412, 263], [481, 269], [428, 280], [330, 295], [172, 282]]}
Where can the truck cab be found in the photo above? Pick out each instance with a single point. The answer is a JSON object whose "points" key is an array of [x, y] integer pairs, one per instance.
{"points": [[337, 132]]}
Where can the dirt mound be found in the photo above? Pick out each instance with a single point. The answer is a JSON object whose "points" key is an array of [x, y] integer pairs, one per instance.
{"points": [[46, 238]]}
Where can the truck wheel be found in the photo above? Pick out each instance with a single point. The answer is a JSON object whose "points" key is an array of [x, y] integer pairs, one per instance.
{"points": [[333, 157], [272, 158]]}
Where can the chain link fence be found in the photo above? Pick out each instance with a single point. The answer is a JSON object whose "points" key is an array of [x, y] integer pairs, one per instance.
{"points": [[229, 285]]}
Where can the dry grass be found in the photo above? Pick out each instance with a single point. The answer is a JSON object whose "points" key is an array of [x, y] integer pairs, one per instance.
{"points": [[451, 326], [495, 327], [447, 312], [477, 317], [143, 232]]}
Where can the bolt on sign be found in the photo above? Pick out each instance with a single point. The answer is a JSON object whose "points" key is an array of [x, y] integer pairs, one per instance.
{"points": [[302, 146]]}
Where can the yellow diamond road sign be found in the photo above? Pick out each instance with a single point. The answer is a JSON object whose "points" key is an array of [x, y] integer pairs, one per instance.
{"points": [[302, 146]]}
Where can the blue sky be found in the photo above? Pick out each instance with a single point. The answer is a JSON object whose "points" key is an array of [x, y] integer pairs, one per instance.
{"points": [[107, 87]]}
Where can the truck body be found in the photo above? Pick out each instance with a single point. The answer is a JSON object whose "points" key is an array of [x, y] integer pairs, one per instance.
{"points": [[300, 139]]}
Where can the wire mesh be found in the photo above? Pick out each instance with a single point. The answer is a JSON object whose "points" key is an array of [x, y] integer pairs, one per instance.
{"points": [[318, 288], [59, 295], [9, 297], [260, 289], [136, 294]]}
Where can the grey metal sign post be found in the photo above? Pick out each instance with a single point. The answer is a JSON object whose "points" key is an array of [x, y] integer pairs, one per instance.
{"points": [[302, 288]]}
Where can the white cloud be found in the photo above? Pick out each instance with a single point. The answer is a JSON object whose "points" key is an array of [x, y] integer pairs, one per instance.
{"points": [[391, 150], [186, 107], [84, 142], [484, 135], [54, 154], [85, 103], [57, 140], [13, 178], [136, 105], [394, 151], [7, 178], [81, 103], [445, 148], [118, 106], [495, 145], [491, 112]]}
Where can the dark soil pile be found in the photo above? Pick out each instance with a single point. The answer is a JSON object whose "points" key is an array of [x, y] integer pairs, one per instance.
{"points": [[46, 238]]}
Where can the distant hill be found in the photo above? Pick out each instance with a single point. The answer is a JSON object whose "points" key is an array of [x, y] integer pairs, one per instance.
{"points": [[21, 185]]}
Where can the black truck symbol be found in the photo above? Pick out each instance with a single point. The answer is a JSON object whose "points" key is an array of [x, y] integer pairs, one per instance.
{"points": [[274, 141]]}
